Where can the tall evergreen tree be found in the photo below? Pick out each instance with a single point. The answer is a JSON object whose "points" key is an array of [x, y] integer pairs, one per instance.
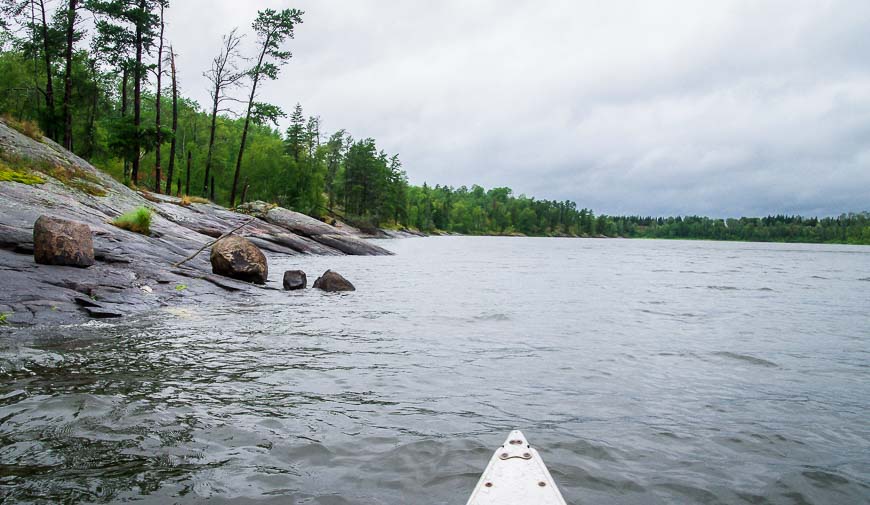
{"points": [[161, 5], [126, 26], [296, 132], [67, 75], [272, 29], [47, 52], [334, 156], [173, 143]]}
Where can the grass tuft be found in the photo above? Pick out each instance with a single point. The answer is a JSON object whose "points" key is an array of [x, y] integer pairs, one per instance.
{"points": [[137, 220], [186, 200], [24, 127]]}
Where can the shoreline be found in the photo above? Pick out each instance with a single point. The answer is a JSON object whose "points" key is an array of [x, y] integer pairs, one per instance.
{"points": [[134, 272], [131, 272]]}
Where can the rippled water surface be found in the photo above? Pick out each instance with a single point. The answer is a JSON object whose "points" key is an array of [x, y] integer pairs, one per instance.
{"points": [[644, 371]]}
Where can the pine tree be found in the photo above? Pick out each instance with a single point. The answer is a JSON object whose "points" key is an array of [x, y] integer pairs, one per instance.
{"points": [[272, 29], [67, 76], [296, 133], [174, 141]]}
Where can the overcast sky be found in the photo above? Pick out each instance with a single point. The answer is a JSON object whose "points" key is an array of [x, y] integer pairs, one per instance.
{"points": [[709, 107]]}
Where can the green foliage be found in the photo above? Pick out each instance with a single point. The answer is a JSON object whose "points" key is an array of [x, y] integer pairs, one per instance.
{"points": [[3, 316], [137, 220], [180, 287], [853, 228]]}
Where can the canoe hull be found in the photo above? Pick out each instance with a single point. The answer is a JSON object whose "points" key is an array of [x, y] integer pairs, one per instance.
{"points": [[516, 475]]}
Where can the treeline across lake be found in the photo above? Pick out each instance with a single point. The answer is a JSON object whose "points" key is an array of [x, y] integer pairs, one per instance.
{"points": [[849, 228], [476, 211], [100, 78]]}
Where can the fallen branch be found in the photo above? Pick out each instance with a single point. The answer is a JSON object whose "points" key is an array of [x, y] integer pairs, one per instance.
{"points": [[213, 242]]}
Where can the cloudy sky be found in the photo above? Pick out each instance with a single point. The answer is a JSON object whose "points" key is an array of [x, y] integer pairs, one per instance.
{"points": [[721, 108]]}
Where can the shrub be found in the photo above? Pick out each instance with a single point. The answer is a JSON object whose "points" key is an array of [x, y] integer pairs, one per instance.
{"points": [[186, 200], [24, 127], [137, 220]]}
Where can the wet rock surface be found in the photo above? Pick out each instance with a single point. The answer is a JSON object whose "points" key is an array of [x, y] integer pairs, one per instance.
{"points": [[238, 258], [125, 262], [307, 226], [62, 242], [333, 281], [294, 279]]}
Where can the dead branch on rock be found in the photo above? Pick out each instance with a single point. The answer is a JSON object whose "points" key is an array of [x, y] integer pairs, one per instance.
{"points": [[213, 242]]}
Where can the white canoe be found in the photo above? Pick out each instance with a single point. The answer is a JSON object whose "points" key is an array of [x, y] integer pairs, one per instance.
{"points": [[516, 475]]}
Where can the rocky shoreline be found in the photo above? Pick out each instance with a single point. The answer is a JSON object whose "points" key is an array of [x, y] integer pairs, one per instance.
{"points": [[131, 272]]}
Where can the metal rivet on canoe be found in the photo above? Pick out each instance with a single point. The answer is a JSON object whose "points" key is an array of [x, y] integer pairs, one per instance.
{"points": [[504, 455], [527, 455], [488, 484], [542, 483]]}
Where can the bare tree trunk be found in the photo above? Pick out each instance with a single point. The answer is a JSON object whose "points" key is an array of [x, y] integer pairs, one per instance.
{"points": [[214, 112], [187, 178], [67, 77], [37, 104], [124, 79], [211, 189], [137, 96], [174, 125], [157, 154], [245, 187], [49, 88], [92, 116]]}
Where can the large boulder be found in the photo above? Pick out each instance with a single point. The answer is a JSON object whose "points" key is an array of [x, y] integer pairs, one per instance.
{"points": [[333, 281], [239, 258], [295, 279], [62, 242]]}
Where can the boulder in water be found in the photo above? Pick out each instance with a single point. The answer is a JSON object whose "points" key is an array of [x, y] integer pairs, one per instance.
{"points": [[239, 258], [333, 281], [295, 279], [62, 242]]}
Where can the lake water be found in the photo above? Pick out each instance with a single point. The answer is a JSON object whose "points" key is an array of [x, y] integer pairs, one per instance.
{"points": [[643, 371]]}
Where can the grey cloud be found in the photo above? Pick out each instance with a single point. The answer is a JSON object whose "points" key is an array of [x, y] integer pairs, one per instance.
{"points": [[719, 108]]}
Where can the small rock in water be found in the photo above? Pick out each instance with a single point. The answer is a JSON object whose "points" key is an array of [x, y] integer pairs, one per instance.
{"points": [[62, 242], [333, 281], [295, 279], [238, 258]]}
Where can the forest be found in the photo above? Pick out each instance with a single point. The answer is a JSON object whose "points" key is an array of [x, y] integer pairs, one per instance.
{"points": [[100, 78]]}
